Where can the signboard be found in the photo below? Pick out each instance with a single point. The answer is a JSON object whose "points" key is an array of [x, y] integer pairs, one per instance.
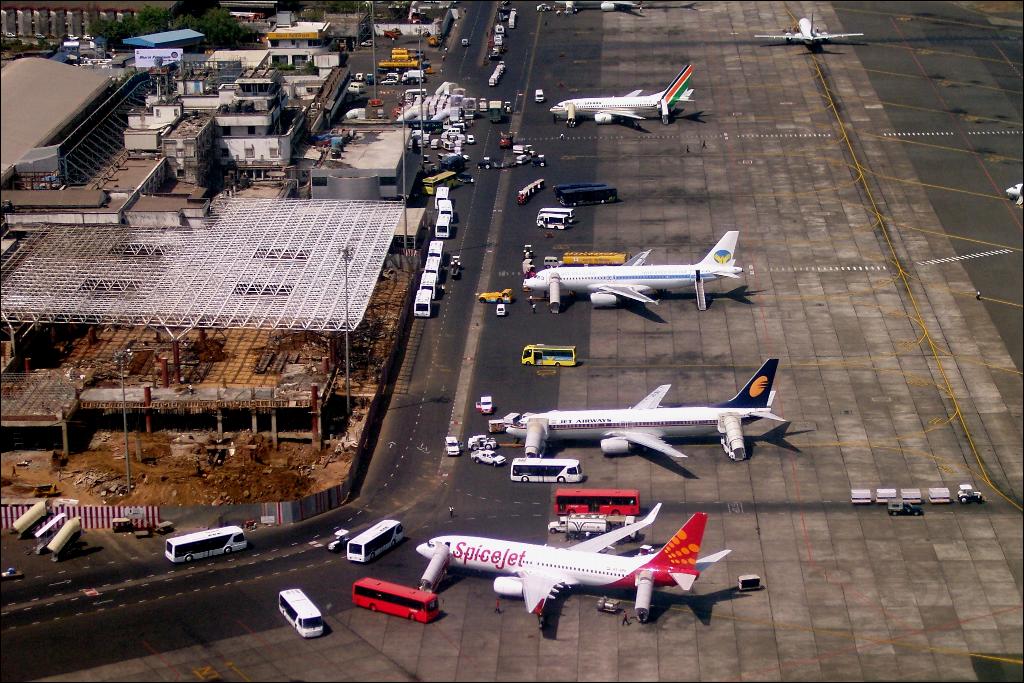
{"points": [[148, 59], [293, 35]]}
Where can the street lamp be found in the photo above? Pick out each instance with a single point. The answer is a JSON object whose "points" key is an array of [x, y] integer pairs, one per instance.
{"points": [[346, 256], [121, 357]]}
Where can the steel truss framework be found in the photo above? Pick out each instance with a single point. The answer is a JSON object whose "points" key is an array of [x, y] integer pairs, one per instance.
{"points": [[264, 264]]}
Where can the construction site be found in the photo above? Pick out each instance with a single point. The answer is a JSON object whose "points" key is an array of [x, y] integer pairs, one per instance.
{"points": [[234, 363]]}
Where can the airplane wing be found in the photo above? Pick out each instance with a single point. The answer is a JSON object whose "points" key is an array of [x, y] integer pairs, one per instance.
{"points": [[830, 36], [622, 114], [770, 37], [538, 587], [655, 443], [653, 399], [634, 93], [599, 543], [625, 291], [639, 259]]}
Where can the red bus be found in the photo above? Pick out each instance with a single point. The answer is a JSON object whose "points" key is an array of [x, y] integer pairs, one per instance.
{"points": [[600, 501], [391, 598]]}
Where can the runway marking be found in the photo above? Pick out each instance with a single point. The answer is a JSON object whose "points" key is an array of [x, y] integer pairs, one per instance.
{"points": [[824, 269], [898, 133], [950, 259]]}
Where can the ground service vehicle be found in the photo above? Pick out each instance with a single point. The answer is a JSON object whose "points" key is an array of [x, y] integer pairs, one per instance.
{"points": [[300, 612], [443, 227], [435, 248], [556, 221], [481, 442], [340, 541], [487, 457], [594, 258], [433, 265], [452, 446], [500, 310], [504, 296], [538, 95], [445, 206], [428, 283], [207, 543], [581, 526], [495, 111], [505, 140], [546, 354], [395, 64], [391, 598], [898, 507], [559, 470], [601, 501], [967, 494], [375, 541], [585, 193], [485, 406]]}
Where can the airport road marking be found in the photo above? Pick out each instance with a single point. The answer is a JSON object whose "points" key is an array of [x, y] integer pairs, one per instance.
{"points": [[950, 259], [920, 133]]}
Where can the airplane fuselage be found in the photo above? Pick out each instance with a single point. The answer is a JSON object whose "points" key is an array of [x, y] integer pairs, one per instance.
{"points": [[510, 557], [648, 106], [662, 422], [589, 278]]}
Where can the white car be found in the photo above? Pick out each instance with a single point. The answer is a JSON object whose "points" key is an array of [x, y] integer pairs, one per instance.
{"points": [[485, 405], [366, 43], [500, 310], [543, 8], [390, 80], [359, 77], [488, 457], [340, 541], [481, 442], [470, 140], [452, 446]]}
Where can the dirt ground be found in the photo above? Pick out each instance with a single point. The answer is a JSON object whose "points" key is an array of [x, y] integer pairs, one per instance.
{"points": [[178, 469]]}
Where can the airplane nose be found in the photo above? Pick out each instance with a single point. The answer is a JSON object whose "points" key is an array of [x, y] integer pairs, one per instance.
{"points": [[424, 549]]}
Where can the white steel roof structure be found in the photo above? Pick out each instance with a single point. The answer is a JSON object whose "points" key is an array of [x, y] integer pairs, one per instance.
{"points": [[264, 264]]}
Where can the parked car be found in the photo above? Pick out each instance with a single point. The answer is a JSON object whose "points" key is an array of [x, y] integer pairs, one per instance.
{"points": [[452, 446], [359, 77], [338, 545], [470, 139], [898, 507], [465, 42], [488, 457], [390, 80], [500, 311], [366, 43], [465, 179], [502, 297]]}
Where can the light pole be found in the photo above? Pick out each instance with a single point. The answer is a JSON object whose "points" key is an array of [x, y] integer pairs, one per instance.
{"points": [[373, 47], [346, 256], [121, 357]]}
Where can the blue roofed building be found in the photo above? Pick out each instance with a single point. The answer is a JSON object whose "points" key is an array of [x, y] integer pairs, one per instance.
{"points": [[185, 37]]}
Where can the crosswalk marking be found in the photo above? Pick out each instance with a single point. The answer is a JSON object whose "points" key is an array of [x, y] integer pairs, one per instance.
{"points": [[965, 256]]}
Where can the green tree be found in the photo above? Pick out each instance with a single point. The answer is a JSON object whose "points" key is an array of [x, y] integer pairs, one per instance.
{"points": [[153, 19], [220, 28]]}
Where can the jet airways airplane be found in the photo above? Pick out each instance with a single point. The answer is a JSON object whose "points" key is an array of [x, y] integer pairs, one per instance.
{"points": [[537, 572], [809, 34], [574, 6], [606, 285], [632, 106], [646, 424]]}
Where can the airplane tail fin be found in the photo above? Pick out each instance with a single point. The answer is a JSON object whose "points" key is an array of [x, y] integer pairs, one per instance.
{"points": [[723, 253], [758, 391], [679, 88], [682, 549]]}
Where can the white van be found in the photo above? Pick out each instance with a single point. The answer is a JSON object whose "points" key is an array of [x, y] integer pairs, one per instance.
{"points": [[412, 93], [433, 265], [423, 307], [440, 192], [538, 95], [300, 612], [357, 88], [435, 143], [499, 29], [443, 227], [445, 206], [558, 221], [435, 248], [413, 76]]}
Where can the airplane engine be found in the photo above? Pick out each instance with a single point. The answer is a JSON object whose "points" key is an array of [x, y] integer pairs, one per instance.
{"points": [[732, 427], [789, 37], [614, 446], [607, 6], [603, 300], [603, 118], [508, 587], [436, 569], [536, 435], [555, 294], [644, 591]]}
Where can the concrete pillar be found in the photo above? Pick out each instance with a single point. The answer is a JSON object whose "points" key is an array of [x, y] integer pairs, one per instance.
{"points": [[176, 348], [64, 438], [255, 423], [273, 427], [164, 379], [90, 335], [28, 365], [147, 401], [314, 411], [220, 423]]}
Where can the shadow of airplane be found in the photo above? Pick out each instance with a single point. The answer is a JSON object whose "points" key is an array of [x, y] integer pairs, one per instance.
{"points": [[779, 437], [702, 605], [666, 462]]}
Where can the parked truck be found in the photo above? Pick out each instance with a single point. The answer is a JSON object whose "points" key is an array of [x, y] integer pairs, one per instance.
{"points": [[495, 111], [396, 64], [584, 525], [594, 258]]}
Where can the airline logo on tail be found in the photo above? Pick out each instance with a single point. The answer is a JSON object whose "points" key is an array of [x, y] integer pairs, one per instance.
{"points": [[682, 549], [723, 256], [679, 86], [758, 386]]}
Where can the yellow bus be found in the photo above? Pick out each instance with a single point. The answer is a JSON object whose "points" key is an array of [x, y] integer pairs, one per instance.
{"points": [[546, 354], [446, 178]]}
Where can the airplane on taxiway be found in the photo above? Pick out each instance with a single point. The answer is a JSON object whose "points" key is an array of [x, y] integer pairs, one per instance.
{"points": [[808, 34], [632, 106], [606, 285], [573, 6], [537, 572], [648, 425]]}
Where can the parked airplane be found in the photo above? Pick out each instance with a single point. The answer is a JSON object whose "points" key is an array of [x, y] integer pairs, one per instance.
{"points": [[573, 6], [809, 34], [633, 106], [646, 424], [1013, 192], [536, 572], [636, 281]]}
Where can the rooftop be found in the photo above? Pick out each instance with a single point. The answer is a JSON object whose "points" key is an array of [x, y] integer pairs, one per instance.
{"points": [[371, 150], [179, 38]]}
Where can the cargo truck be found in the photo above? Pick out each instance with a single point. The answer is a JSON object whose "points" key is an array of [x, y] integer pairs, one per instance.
{"points": [[393, 64], [576, 526], [495, 111]]}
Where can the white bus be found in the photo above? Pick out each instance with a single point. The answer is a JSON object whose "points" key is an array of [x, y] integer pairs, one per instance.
{"points": [[441, 191], [558, 221], [433, 265], [375, 541], [558, 210], [546, 469], [512, 19], [207, 543], [443, 228], [300, 612], [423, 306], [435, 248], [428, 283], [445, 206]]}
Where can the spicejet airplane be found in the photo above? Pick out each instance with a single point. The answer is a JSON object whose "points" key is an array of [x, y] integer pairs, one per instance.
{"points": [[606, 285], [647, 425], [809, 34], [536, 572], [632, 106]]}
